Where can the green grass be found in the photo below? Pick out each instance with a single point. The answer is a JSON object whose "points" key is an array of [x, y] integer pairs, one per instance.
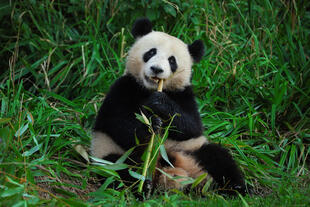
{"points": [[58, 60]]}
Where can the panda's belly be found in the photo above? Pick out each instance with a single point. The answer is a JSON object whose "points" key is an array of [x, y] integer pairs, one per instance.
{"points": [[188, 145], [185, 165]]}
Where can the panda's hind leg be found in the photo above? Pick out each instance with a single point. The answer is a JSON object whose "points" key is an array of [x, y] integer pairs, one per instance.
{"points": [[219, 163]]}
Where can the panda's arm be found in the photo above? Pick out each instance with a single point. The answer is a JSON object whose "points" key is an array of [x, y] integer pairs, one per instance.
{"points": [[188, 123], [116, 116]]}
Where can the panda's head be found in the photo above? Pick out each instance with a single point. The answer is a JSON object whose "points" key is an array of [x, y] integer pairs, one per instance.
{"points": [[157, 55]]}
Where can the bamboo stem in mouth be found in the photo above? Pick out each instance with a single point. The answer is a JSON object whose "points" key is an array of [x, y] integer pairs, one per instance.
{"points": [[160, 85]]}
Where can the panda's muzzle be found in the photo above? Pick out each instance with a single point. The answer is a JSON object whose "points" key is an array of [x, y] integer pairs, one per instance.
{"points": [[156, 70]]}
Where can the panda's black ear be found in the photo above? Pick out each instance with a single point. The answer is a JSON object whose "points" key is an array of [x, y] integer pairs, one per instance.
{"points": [[197, 50], [141, 27]]}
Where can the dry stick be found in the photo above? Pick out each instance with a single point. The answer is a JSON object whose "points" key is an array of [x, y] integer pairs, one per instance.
{"points": [[150, 146]]}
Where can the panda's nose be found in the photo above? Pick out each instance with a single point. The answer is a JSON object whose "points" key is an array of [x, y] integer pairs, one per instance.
{"points": [[156, 70]]}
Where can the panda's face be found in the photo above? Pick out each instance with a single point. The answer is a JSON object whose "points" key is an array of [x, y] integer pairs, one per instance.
{"points": [[158, 55]]}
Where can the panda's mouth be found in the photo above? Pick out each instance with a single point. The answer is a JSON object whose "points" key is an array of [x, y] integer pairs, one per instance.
{"points": [[153, 80]]}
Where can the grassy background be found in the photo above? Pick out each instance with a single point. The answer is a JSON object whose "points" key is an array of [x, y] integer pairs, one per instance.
{"points": [[58, 59]]}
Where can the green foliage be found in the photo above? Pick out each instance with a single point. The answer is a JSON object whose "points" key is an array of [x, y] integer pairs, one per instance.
{"points": [[59, 58]]}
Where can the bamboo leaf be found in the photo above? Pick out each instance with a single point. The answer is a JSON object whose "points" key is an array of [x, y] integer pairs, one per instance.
{"points": [[136, 175], [125, 156], [164, 155], [199, 179], [101, 161], [81, 150]]}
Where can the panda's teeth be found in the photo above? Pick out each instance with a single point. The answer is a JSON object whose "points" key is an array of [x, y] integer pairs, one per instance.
{"points": [[155, 79]]}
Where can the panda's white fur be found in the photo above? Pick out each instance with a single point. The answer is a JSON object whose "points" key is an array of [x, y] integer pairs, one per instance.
{"points": [[103, 145], [188, 145], [166, 46]]}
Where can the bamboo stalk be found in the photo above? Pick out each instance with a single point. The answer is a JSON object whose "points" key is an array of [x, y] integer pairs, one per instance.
{"points": [[150, 146], [160, 85], [147, 160]]}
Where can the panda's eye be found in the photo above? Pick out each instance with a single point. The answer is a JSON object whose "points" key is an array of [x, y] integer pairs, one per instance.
{"points": [[173, 63], [149, 54], [171, 60]]}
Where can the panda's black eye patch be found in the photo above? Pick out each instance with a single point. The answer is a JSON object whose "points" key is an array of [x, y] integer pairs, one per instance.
{"points": [[149, 54], [173, 63]]}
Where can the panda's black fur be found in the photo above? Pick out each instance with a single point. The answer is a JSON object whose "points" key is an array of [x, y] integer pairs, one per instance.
{"points": [[117, 127]]}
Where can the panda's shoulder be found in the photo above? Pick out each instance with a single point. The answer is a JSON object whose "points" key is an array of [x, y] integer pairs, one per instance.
{"points": [[126, 89], [124, 85], [125, 82], [185, 92]]}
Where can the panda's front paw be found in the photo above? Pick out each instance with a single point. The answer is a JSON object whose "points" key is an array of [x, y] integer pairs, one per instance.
{"points": [[156, 123], [157, 98], [159, 104]]}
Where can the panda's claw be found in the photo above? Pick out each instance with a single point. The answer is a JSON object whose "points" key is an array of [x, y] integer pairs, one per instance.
{"points": [[156, 124]]}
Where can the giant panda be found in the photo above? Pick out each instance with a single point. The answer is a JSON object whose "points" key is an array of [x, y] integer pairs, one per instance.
{"points": [[157, 55]]}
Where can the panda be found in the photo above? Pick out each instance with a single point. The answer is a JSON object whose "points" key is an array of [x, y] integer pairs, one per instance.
{"points": [[157, 55]]}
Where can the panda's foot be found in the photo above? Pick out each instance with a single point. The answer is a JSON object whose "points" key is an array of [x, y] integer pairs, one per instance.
{"points": [[233, 190]]}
